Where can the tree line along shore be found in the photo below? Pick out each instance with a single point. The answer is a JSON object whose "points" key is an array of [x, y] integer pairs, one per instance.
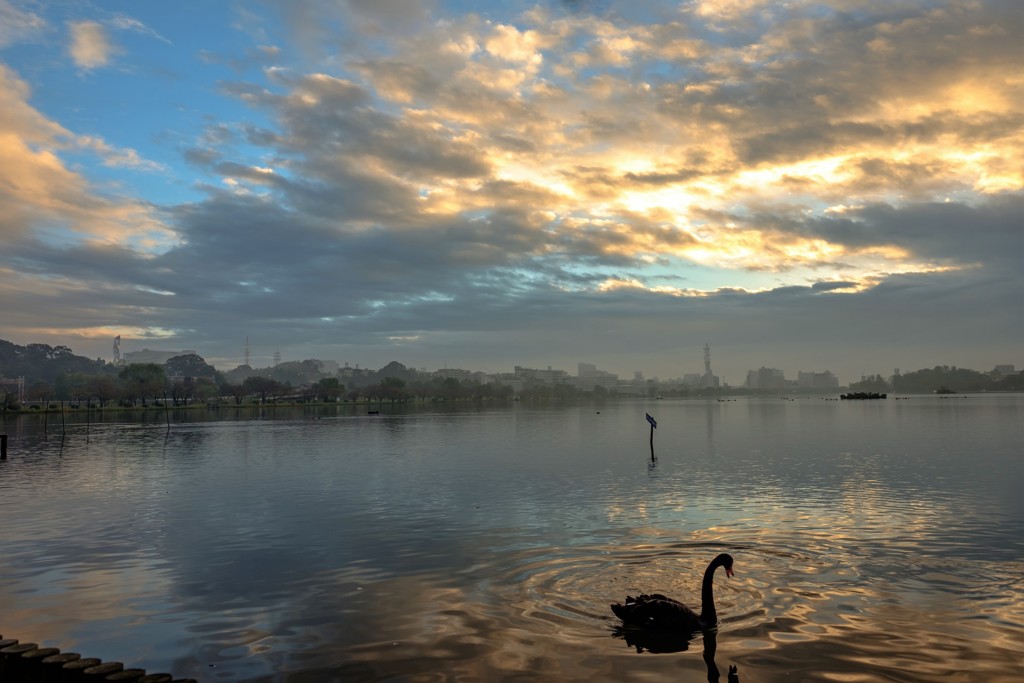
{"points": [[50, 375]]}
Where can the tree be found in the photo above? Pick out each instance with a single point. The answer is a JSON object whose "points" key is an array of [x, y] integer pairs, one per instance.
{"points": [[329, 389], [237, 390], [181, 391], [927, 381], [77, 386], [450, 389], [264, 387], [1014, 382], [190, 365], [142, 380], [393, 389], [39, 391], [204, 389], [503, 391], [43, 362], [103, 388], [8, 398], [875, 383], [396, 370]]}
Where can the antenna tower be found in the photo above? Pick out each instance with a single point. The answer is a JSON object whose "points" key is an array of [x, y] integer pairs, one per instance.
{"points": [[247, 355], [708, 380], [277, 357]]}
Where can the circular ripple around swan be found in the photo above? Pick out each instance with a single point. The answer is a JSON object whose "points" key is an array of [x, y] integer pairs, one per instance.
{"points": [[570, 588]]}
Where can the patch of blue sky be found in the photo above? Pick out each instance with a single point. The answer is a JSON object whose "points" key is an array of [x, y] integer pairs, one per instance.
{"points": [[509, 10], [680, 274], [155, 94], [704, 278], [657, 72], [56, 233]]}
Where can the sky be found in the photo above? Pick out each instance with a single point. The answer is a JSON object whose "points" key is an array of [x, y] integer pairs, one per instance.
{"points": [[806, 185]]}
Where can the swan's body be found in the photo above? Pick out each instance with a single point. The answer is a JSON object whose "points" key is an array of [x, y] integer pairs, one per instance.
{"points": [[656, 611]]}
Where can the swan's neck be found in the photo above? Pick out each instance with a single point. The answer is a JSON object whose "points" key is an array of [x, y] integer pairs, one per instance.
{"points": [[708, 615]]}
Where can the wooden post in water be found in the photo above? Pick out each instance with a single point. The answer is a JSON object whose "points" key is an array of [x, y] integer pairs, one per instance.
{"points": [[75, 671], [156, 678], [63, 425], [32, 661], [101, 671], [10, 660], [654, 425], [3, 446], [167, 411], [51, 668]]}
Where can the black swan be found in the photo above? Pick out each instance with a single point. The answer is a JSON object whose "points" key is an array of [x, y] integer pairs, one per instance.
{"points": [[657, 611]]}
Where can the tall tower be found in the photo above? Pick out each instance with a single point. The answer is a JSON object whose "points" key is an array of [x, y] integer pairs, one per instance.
{"points": [[708, 380], [277, 358], [247, 355]]}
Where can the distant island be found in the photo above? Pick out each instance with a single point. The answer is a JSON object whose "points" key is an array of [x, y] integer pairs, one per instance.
{"points": [[39, 373]]}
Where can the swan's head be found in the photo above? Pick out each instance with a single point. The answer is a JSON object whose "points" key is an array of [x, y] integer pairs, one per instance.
{"points": [[725, 560]]}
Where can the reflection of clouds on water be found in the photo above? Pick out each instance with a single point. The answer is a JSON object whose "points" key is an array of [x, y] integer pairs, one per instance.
{"points": [[544, 612], [362, 549]]}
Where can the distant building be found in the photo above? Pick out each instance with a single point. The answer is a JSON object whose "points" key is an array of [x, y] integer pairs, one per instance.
{"points": [[548, 377], [353, 373], [692, 379], [153, 356], [765, 378], [817, 380], [18, 383], [508, 379], [1003, 371], [588, 377], [461, 375]]}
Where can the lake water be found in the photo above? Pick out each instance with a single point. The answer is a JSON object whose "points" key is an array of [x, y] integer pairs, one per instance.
{"points": [[874, 540]]}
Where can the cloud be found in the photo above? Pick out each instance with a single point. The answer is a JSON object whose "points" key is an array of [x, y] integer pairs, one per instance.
{"points": [[118, 157], [90, 46], [17, 25], [125, 23], [259, 56], [554, 181], [42, 199]]}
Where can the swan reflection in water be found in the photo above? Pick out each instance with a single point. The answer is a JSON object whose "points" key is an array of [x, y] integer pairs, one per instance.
{"points": [[659, 624], [664, 642]]}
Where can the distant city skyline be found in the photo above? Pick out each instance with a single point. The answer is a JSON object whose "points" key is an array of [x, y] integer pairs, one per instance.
{"points": [[582, 368], [808, 185]]}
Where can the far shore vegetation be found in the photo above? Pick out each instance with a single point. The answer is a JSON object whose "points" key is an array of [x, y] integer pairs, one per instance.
{"points": [[54, 376]]}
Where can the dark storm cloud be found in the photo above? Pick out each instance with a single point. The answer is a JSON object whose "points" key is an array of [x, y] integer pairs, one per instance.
{"points": [[990, 233], [324, 117]]}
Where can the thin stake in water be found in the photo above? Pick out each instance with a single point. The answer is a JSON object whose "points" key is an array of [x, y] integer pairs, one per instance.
{"points": [[654, 425]]}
